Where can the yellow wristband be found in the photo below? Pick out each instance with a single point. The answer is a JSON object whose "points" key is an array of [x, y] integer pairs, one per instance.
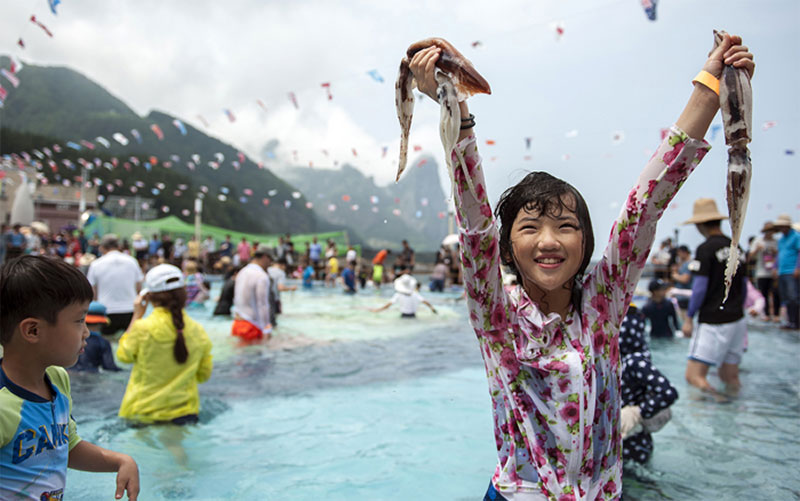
{"points": [[708, 80]]}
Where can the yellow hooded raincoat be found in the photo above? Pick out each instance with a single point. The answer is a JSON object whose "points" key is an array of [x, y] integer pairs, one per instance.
{"points": [[161, 389]]}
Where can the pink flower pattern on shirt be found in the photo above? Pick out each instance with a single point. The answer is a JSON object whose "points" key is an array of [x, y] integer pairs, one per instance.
{"points": [[555, 383]]}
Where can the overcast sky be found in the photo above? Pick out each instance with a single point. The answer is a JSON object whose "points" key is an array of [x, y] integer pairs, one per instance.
{"points": [[612, 70]]}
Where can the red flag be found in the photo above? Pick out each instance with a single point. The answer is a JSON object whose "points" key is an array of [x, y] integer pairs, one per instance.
{"points": [[327, 87], [293, 98], [355, 153], [34, 21], [230, 115], [157, 131], [21, 43], [3, 93], [417, 147], [490, 142]]}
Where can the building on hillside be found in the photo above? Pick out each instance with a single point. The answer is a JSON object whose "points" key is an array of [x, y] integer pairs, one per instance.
{"points": [[53, 204]]}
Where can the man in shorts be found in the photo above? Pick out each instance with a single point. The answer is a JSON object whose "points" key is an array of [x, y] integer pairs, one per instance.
{"points": [[721, 331]]}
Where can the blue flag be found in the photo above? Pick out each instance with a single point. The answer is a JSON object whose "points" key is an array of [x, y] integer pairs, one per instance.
{"points": [[53, 4]]}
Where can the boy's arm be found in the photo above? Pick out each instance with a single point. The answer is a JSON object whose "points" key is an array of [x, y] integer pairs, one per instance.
{"points": [[376, 310], [89, 457]]}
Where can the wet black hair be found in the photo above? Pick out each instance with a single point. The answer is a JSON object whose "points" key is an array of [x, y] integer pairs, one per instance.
{"points": [[546, 194], [174, 301], [38, 287]]}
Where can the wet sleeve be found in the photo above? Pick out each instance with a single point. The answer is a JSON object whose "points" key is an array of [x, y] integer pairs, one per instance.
{"points": [[206, 363], [479, 238], [633, 232], [129, 343], [699, 289]]}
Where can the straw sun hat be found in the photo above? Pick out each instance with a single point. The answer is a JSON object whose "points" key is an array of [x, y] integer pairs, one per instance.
{"points": [[782, 221], [705, 210]]}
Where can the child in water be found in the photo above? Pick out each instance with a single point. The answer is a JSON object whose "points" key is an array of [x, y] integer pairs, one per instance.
{"points": [[170, 353], [550, 344], [406, 296], [43, 306], [97, 352], [646, 392]]}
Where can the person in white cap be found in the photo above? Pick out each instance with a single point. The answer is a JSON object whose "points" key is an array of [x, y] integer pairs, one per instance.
{"points": [[170, 353], [251, 318], [722, 327], [116, 279], [406, 296], [789, 270]]}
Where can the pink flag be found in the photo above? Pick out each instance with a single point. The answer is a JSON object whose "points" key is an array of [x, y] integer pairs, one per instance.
{"points": [[157, 131], [769, 124], [241, 157], [87, 144], [293, 98], [36, 22], [3, 94], [355, 153], [327, 87], [261, 103], [10, 77]]}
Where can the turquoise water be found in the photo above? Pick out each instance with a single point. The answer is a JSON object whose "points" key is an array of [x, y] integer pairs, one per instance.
{"points": [[347, 404]]}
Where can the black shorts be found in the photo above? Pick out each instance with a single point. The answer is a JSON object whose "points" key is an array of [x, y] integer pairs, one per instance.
{"points": [[119, 322]]}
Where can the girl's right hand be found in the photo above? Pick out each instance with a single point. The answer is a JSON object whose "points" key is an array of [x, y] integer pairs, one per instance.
{"points": [[422, 66]]}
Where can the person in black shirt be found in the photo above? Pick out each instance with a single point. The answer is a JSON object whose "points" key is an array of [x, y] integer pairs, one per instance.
{"points": [[226, 296], [660, 311], [721, 332]]}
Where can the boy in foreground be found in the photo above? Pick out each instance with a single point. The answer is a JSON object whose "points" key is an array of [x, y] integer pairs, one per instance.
{"points": [[42, 330]]}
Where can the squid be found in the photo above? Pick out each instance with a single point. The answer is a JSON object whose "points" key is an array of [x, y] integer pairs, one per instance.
{"points": [[457, 80], [736, 103]]}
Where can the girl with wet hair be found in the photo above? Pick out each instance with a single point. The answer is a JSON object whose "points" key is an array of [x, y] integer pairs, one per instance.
{"points": [[171, 353], [550, 344]]}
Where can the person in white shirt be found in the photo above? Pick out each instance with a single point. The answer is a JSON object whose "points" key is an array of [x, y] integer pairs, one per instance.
{"points": [[251, 320], [351, 255], [406, 297], [116, 279]]}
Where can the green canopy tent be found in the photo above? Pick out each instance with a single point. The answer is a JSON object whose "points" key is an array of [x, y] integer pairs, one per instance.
{"points": [[124, 228]]}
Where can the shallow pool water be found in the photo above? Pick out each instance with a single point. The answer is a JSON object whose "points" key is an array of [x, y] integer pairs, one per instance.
{"points": [[347, 404]]}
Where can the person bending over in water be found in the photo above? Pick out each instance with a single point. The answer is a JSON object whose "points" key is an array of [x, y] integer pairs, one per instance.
{"points": [[406, 296], [550, 344]]}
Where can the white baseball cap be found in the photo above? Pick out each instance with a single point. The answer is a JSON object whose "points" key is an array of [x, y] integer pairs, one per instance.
{"points": [[164, 277]]}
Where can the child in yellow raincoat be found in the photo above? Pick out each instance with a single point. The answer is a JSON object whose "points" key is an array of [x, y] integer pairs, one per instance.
{"points": [[170, 352]]}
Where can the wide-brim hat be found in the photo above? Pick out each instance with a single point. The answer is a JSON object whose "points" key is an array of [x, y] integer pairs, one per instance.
{"points": [[783, 221], [768, 226], [161, 278], [405, 284], [705, 210]]}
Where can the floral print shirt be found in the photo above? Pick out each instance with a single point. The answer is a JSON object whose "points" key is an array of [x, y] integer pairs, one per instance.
{"points": [[555, 382]]}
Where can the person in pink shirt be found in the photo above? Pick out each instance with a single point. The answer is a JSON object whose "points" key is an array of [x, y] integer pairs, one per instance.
{"points": [[243, 250], [550, 344]]}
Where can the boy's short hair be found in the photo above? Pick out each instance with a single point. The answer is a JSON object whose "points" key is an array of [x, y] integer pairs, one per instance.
{"points": [[39, 287]]}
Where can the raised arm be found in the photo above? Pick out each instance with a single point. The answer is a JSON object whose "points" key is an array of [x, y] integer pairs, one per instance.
{"points": [[480, 256], [679, 153]]}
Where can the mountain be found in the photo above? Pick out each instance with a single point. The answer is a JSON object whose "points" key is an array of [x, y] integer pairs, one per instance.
{"points": [[414, 209], [55, 104]]}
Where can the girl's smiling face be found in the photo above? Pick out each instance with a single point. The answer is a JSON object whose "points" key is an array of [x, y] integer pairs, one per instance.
{"points": [[547, 249]]}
